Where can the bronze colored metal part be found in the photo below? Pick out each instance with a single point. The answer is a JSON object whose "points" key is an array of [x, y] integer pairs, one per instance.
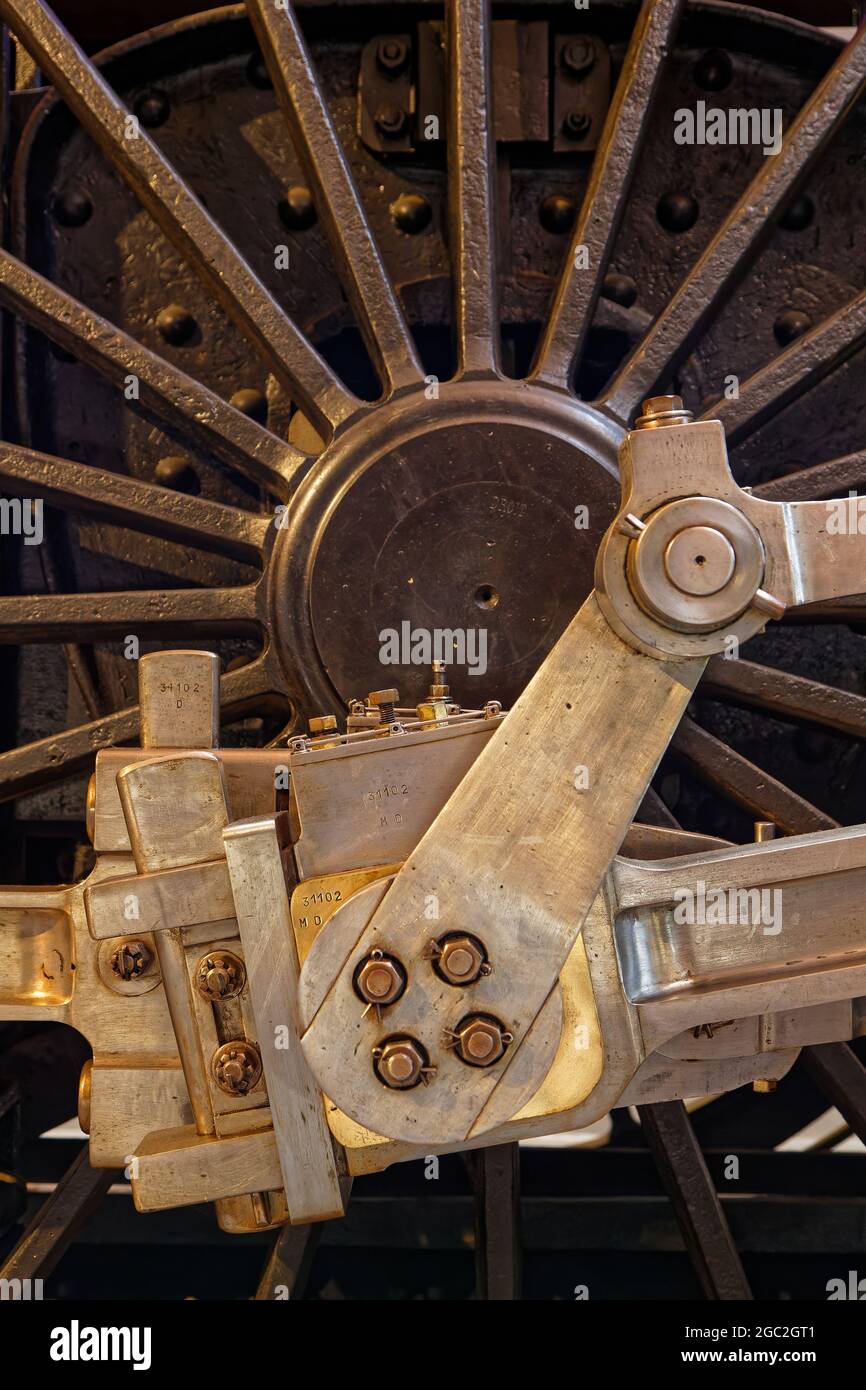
{"points": [[220, 975], [237, 1067]]}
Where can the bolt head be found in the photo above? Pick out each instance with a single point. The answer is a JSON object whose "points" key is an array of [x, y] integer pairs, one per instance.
{"points": [[323, 723], [461, 959], [236, 1067], [377, 698], [380, 980], [220, 975], [391, 55], [576, 124], [130, 960], [578, 55], [481, 1040], [400, 1063], [390, 119]]}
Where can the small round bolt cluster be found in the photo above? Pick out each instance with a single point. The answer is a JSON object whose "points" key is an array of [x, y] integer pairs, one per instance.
{"points": [[237, 1067], [130, 960], [220, 975], [480, 1040]]}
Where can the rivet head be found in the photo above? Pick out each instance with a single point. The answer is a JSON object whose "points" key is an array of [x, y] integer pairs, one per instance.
{"points": [[556, 214], [176, 324], [677, 212], [178, 474], [297, 210], [252, 402], [411, 213], [72, 207], [152, 108]]}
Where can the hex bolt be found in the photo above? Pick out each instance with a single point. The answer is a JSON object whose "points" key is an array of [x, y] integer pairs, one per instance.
{"points": [[480, 1040], [401, 1063], [459, 959], [220, 975], [380, 979], [384, 701], [324, 731], [659, 411], [130, 960], [236, 1067], [390, 119], [576, 124], [578, 55]]}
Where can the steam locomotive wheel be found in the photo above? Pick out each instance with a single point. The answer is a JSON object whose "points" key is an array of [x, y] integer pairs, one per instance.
{"points": [[438, 445]]}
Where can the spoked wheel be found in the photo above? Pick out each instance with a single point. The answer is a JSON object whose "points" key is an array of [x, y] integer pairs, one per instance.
{"points": [[300, 386]]}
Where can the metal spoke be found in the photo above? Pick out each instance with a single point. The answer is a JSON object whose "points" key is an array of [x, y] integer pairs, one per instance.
{"points": [[606, 196], [130, 502], [63, 755], [496, 1180], [822, 480], [740, 781], [782, 694], [686, 1178], [165, 393], [838, 1071], [794, 372], [338, 202], [146, 613], [471, 156], [731, 250], [59, 1219], [171, 202], [288, 1266]]}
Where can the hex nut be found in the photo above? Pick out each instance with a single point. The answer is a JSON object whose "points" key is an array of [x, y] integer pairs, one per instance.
{"points": [[399, 1063], [481, 1040], [380, 979], [460, 959]]}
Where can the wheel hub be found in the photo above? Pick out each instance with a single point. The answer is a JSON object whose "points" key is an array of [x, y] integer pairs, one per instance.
{"points": [[475, 515]]}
